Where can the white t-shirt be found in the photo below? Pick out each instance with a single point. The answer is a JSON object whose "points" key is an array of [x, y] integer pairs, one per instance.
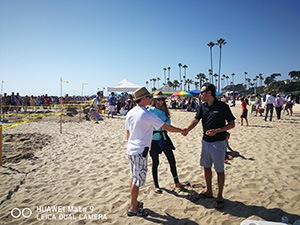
{"points": [[97, 102], [270, 99], [140, 123]]}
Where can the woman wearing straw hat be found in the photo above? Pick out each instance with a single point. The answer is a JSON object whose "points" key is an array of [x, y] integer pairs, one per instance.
{"points": [[161, 141]]}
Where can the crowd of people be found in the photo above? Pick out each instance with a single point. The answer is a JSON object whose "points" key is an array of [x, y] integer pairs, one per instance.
{"points": [[16, 103], [120, 104]]}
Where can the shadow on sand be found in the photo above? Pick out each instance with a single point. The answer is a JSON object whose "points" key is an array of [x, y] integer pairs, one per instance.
{"points": [[167, 219], [235, 208], [236, 154]]}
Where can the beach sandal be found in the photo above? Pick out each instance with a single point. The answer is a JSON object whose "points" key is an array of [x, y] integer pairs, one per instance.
{"points": [[219, 204], [182, 185], [140, 213], [187, 183], [204, 195], [158, 191], [140, 205]]}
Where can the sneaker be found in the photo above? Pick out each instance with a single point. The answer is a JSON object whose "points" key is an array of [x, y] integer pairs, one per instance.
{"points": [[158, 191]]}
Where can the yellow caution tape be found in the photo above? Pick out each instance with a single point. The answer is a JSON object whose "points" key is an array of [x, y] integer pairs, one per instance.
{"points": [[30, 119]]}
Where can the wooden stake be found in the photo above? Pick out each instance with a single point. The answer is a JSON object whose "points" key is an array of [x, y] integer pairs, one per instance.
{"points": [[61, 123], [0, 145]]}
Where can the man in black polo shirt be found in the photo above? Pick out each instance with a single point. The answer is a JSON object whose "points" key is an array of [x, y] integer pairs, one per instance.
{"points": [[217, 118]]}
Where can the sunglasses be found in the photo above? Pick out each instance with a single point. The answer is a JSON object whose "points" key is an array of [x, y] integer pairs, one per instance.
{"points": [[148, 96], [202, 92], [160, 99]]}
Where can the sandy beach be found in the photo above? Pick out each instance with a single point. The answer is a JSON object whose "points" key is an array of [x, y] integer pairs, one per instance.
{"points": [[82, 175]]}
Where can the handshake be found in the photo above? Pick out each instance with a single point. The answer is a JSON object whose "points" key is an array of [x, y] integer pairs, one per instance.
{"points": [[184, 131]]}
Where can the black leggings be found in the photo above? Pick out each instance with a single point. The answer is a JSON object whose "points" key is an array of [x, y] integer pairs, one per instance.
{"points": [[155, 162]]}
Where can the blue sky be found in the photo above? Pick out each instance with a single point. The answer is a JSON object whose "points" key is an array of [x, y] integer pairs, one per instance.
{"points": [[102, 42]]}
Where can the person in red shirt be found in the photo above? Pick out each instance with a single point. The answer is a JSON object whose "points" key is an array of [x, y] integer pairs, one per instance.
{"points": [[244, 111]]}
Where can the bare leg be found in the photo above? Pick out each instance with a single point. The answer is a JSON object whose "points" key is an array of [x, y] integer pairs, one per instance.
{"points": [[221, 181], [208, 178], [134, 191]]}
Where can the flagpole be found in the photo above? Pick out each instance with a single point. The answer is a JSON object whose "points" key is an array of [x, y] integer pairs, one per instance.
{"points": [[61, 106], [83, 83]]}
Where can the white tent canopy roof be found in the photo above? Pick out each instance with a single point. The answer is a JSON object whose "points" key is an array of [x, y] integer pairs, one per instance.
{"points": [[124, 86]]}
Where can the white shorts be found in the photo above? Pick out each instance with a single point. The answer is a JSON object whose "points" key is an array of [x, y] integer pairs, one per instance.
{"points": [[138, 169], [213, 153], [111, 108]]}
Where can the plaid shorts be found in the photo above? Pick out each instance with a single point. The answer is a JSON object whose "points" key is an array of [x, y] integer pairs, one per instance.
{"points": [[138, 169]]}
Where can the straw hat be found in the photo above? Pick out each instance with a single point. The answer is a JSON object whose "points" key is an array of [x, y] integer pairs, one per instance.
{"points": [[158, 94], [140, 93]]}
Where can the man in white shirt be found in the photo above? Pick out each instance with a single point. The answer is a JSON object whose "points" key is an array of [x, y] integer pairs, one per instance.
{"points": [[269, 105], [139, 127], [97, 101]]}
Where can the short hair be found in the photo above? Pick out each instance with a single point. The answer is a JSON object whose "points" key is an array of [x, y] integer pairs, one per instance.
{"points": [[138, 101], [210, 87]]}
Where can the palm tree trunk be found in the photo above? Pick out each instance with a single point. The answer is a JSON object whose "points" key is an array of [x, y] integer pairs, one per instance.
{"points": [[219, 69], [211, 62]]}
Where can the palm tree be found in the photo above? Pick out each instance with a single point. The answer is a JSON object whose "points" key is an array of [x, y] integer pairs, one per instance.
{"points": [[201, 77], [189, 82], [179, 66], [223, 77], [154, 81], [248, 81], [233, 74], [220, 43], [210, 74], [184, 69], [170, 84], [215, 78], [176, 84], [147, 82], [255, 83], [260, 78], [211, 45], [150, 85], [165, 69], [246, 78], [233, 93], [158, 79], [227, 80], [169, 68], [222, 82], [196, 83], [184, 84], [255, 79]]}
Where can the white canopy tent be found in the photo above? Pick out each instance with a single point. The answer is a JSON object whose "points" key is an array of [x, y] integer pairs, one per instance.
{"points": [[124, 86]]}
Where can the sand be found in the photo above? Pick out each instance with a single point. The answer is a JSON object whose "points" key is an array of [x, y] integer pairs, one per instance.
{"points": [[82, 175]]}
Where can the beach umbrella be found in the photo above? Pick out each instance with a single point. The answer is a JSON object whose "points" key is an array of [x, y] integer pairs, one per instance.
{"points": [[195, 92], [181, 94]]}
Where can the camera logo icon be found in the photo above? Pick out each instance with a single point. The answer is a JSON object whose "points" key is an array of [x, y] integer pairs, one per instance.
{"points": [[16, 212]]}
